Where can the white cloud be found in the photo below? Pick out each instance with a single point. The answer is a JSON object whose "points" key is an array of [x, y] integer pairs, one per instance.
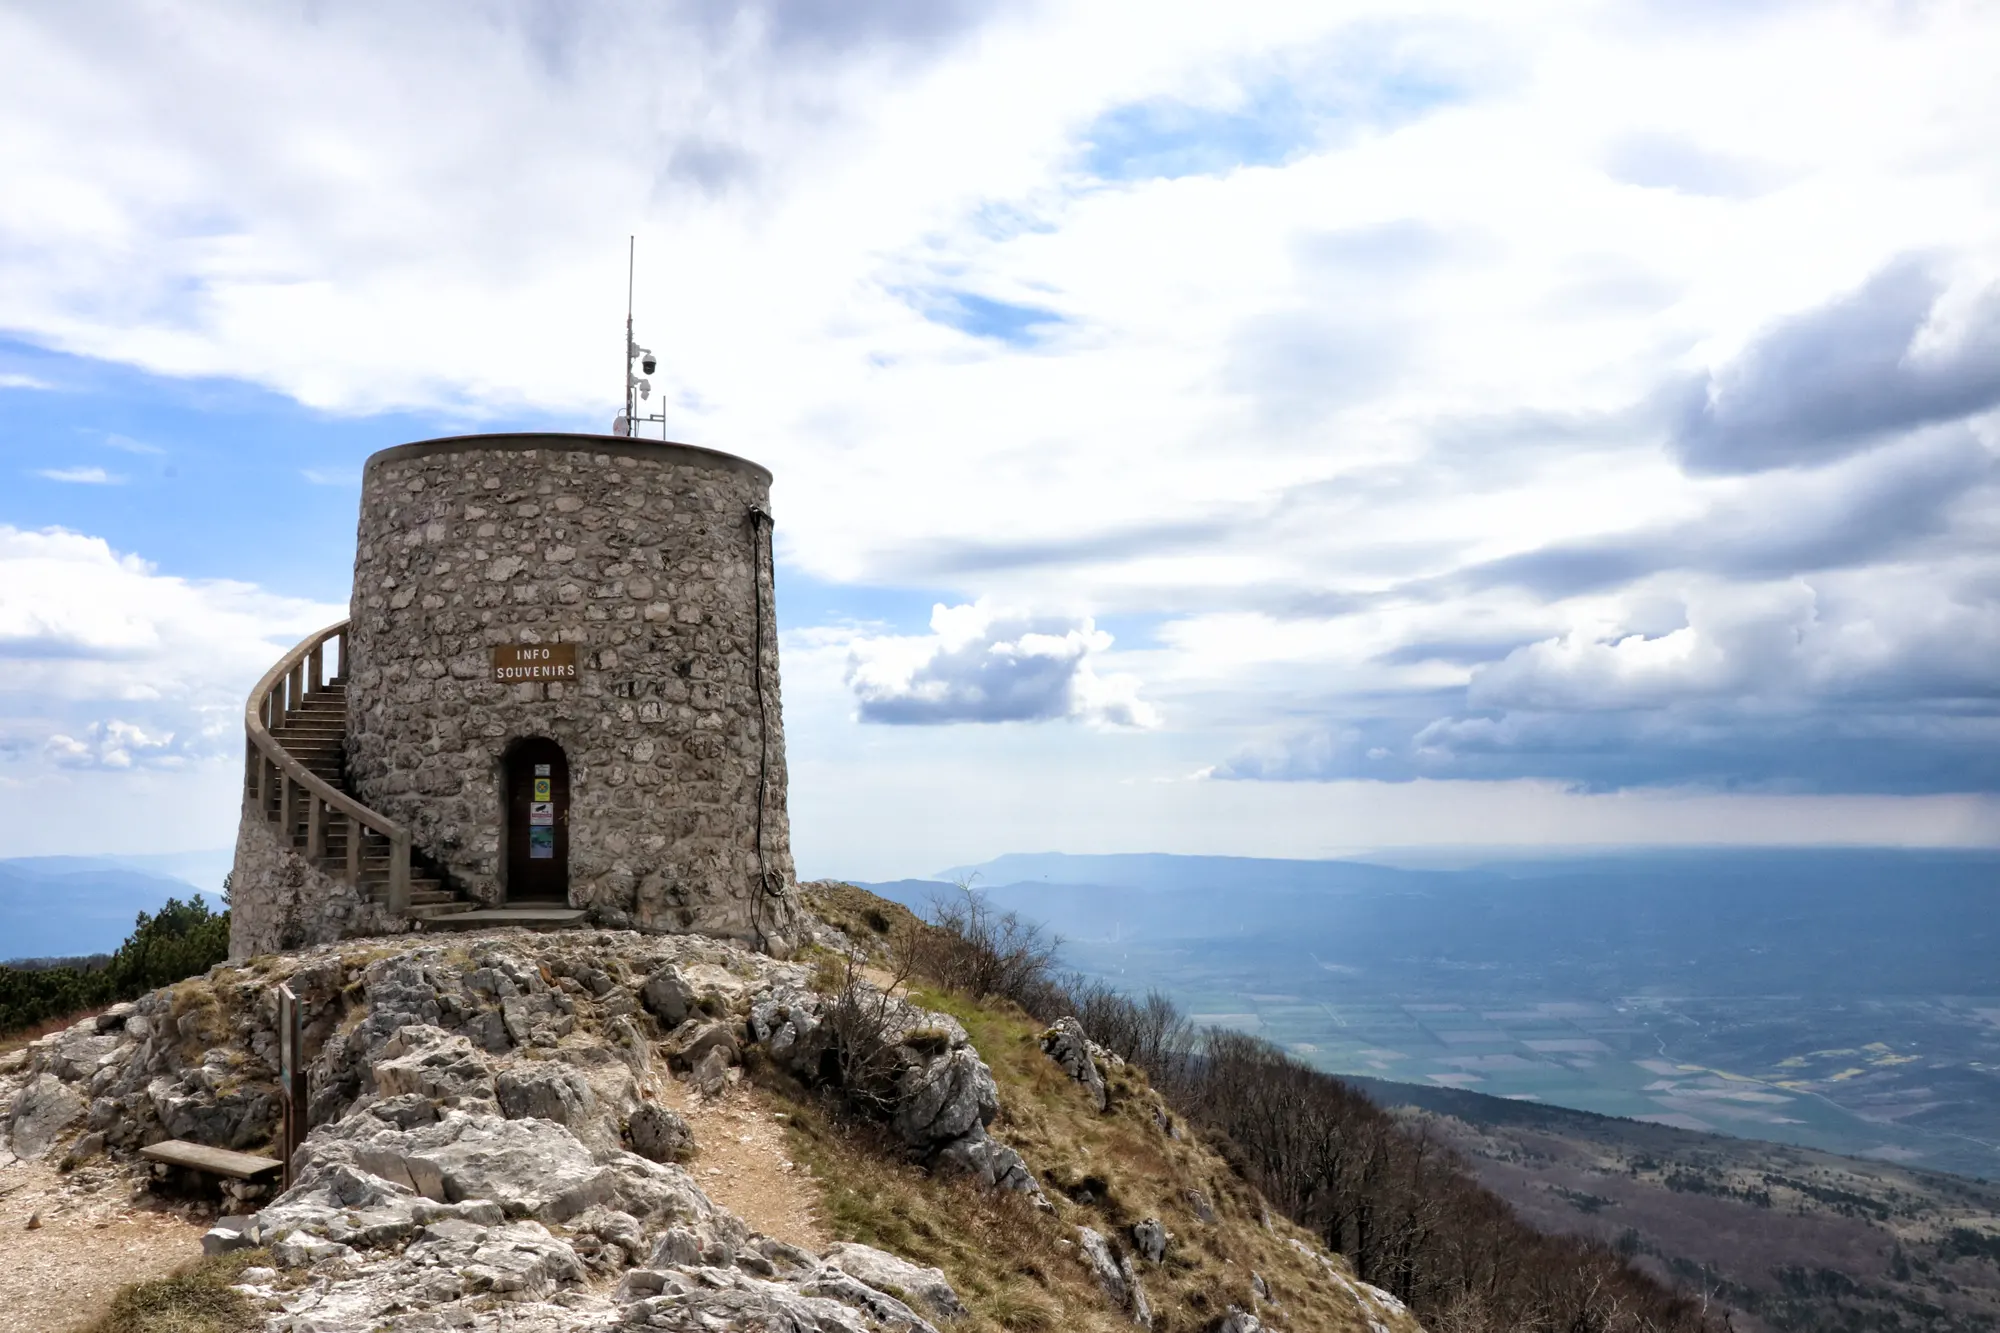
{"points": [[981, 663], [14, 380], [115, 744], [126, 444], [81, 476], [110, 664]]}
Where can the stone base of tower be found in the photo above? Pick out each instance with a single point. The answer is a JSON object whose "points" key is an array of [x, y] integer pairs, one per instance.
{"points": [[279, 901]]}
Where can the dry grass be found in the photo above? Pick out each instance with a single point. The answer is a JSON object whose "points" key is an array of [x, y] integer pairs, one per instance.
{"points": [[15, 1040], [1017, 1268], [866, 919], [197, 1299]]}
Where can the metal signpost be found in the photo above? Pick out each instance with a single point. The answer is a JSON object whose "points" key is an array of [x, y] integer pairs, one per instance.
{"points": [[291, 1074]]}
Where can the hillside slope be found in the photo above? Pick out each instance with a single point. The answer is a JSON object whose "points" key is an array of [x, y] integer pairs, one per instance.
{"points": [[1791, 1239], [493, 1147]]}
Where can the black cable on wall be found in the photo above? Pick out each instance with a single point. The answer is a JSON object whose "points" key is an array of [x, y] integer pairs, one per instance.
{"points": [[760, 525]]}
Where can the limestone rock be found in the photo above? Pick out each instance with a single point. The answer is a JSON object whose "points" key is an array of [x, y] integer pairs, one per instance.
{"points": [[1103, 1264], [1140, 1309], [1066, 1044], [45, 1108], [717, 989], [943, 1098], [879, 1268], [1239, 1321], [668, 997], [659, 1135], [990, 1162], [711, 1074], [435, 1065], [693, 1040], [1149, 1238], [546, 1090]]}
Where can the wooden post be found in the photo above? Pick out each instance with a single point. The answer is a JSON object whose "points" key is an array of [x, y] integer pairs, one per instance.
{"points": [[285, 816], [340, 645], [263, 784], [291, 1074], [399, 875], [298, 684], [316, 669], [354, 836], [315, 827]]}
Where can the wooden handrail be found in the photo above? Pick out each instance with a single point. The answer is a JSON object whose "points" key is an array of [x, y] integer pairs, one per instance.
{"points": [[298, 675]]}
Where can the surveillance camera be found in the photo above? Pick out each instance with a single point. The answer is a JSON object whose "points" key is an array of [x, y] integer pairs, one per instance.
{"points": [[649, 363]]}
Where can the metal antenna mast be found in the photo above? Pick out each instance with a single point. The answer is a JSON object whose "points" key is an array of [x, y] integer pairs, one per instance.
{"points": [[636, 385], [631, 348]]}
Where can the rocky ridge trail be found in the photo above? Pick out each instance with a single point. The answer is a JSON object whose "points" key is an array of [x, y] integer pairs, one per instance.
{"points": [[494, 1142]]}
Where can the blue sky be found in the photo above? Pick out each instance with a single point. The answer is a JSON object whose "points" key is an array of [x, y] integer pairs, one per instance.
{"points": [[1277, 429]]}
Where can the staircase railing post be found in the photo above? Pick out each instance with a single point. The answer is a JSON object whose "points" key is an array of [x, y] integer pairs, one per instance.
{"points": [[316, 669], [315, 828], [298, 682], [355, 833], [340, 649], [399, 876], [285, 813], [263, 785]]}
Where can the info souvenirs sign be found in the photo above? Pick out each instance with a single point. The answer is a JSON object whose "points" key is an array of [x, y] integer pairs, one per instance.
{"points": [[534, 661]]}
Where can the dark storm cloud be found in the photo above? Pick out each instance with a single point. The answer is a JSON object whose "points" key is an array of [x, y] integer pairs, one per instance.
{"points": [[944, 559], [1889, 752], [1453, 652], [1013, 669], [1790, 526], [971, 684], [839, 28], [1841, 378]]}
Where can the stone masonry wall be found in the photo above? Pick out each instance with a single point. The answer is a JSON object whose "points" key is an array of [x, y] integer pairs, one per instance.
{"points": [[640, 555], [279, 901]]}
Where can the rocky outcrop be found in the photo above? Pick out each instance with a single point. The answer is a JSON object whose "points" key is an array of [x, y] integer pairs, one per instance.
{"points": [[1115, 1274], [1066, 1044], [484, 1151], [885, 1271], [45, 1108], [659, 1135]]}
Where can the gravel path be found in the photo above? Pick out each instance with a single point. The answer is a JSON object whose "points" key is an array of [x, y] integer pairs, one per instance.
{"points": [[91, 1241]]}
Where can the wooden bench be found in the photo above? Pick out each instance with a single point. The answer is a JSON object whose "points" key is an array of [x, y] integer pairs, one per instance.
{"points": [[215, 1161]]}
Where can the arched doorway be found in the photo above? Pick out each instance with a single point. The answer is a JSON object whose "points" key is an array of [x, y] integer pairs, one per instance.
{"points": [[537, 836]]}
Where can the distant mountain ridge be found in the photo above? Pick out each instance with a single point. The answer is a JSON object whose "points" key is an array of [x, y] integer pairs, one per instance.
{"points": [[1766, 920], [1840, 998], [62, 906]]}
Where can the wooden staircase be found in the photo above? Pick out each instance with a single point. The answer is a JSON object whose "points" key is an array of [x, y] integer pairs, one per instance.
{"points": [[297, 775]]}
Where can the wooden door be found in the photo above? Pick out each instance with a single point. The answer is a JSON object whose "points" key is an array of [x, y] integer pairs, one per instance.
{"points": [[537, 822]]}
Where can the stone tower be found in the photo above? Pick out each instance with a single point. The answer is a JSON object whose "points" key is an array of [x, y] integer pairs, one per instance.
{"points": [[555, 700]]}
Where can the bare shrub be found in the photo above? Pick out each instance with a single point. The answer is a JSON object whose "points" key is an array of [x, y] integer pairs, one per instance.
{"points": [[863, 1022], [972, 950]]}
